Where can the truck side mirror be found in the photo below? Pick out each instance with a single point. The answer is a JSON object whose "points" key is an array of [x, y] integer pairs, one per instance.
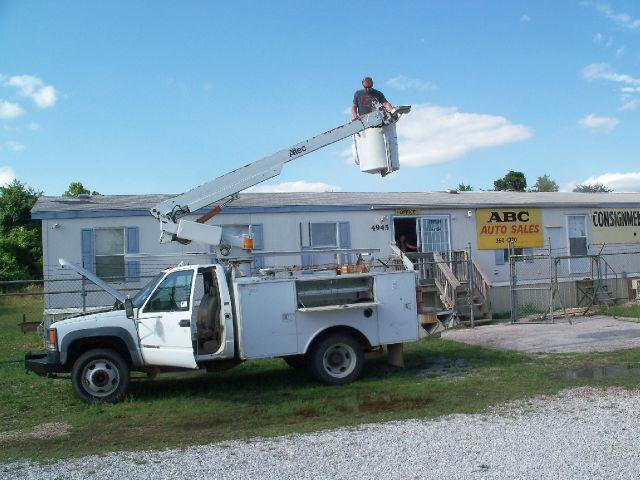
{"points": [[128, 307]]}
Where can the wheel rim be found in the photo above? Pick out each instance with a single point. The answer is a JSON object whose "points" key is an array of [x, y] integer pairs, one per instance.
{"points": [[339, 360], [100, 377]]}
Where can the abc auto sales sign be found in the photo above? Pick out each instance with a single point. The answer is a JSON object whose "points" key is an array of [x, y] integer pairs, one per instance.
{"points": [[496, 227]]}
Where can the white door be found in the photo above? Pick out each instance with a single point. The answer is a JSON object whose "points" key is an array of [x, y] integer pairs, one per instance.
{"points": [[164, 322], [578, 244], [434, 234]]}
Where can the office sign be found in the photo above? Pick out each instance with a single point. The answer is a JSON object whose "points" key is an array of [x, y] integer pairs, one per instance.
{"points": [[407, 211], [615, 225], [496, 227]]}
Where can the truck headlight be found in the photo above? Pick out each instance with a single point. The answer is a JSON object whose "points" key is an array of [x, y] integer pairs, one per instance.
{"points": [[52, 339]]}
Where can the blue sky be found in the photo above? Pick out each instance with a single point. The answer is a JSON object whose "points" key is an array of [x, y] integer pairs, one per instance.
{"points": [[161, 96]]}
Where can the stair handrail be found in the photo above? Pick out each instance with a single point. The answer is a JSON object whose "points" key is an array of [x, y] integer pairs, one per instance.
{"points": [[608, 267], [446, 281], [480, 280]]}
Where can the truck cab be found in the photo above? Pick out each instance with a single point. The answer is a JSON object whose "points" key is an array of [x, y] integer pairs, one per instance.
{"points": [[184, 317]]}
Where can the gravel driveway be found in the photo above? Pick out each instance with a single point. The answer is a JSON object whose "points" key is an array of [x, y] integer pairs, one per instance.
{"points": [[581, 433]]}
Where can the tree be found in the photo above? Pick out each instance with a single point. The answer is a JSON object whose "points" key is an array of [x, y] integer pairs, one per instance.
{"points": [[511, 181], [20, 236], [16, 200], [21, 254], [593, 188], [77, 188], [464, 188], [545, 184]]}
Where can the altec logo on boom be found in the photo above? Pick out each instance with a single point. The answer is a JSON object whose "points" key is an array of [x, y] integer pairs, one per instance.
{"points": [[296, 151]]}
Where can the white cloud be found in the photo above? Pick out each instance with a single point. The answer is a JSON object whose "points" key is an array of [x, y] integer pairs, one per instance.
{"points": [[405, 83], [525, 18], [14, 146], [297, 186], [6, 176], [630, 89], [619, 182], [598, 124], [44, 96], [621, 51], [10, 110], [33, 126], [431, 135], [623, 19], [601, 39], [630, 105], [603, 71]]}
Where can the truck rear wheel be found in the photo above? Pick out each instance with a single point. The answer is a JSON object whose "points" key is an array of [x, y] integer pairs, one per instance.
{"points": [[100, 376], [336, 359]]}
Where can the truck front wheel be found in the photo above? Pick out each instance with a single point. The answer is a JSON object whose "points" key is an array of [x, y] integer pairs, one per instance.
{"points": [[101, 376], [337, 359]]}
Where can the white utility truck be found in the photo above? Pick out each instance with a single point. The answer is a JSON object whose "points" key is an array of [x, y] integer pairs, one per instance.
{"points": [[214, 316]]}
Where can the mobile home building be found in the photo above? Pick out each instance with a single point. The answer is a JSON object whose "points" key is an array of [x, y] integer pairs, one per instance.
{"points": [[115, 236]]}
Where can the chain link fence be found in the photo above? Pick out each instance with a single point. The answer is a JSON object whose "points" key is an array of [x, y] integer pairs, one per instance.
{"points": [[548, 285], [64, 293]]}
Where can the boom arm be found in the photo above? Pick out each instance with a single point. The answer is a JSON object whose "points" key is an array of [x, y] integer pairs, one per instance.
{"points": [[228, 185]]}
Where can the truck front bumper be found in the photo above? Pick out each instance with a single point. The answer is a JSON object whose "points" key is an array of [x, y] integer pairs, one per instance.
{"points": [[43, 363]]}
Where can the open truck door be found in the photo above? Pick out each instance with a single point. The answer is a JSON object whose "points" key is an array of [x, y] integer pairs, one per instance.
{"points": [[164, 321]]}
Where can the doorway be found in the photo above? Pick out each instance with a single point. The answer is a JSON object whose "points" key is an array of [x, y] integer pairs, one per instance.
{"points": [[405, 233], [426, 233]]}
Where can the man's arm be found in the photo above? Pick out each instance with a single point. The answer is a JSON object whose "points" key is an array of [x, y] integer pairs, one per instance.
{"points": [[383, 100], [354, 111]]}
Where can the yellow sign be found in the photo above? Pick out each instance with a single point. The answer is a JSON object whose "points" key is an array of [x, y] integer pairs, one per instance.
{"points": [[496, 227], [407, 211], [619, 225]]}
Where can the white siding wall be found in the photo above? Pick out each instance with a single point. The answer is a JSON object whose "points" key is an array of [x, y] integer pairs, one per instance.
{"points": [[62, 238]]}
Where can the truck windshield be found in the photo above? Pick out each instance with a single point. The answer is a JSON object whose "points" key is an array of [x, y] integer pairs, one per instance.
{"points": [[142, 295]]}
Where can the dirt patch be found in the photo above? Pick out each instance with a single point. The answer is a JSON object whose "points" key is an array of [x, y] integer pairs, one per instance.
{"points": [[44, 431], [381, 404], [584, 334]]}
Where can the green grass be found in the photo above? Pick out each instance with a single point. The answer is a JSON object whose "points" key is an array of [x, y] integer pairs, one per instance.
{"points": [[266, 398], [629, 311]]}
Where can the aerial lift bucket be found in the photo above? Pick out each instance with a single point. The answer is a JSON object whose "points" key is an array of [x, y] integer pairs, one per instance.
{"points": [[375, 150]]}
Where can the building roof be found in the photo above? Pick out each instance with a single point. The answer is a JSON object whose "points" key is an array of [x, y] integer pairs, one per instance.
{"points": [[125, 205]]}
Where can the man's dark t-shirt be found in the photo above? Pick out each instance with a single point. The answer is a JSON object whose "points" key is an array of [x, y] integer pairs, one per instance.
{"points": [[363, 99]]}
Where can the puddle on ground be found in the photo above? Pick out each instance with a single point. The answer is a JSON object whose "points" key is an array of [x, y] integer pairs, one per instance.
{"points": [[607, 371], [445, 367]]}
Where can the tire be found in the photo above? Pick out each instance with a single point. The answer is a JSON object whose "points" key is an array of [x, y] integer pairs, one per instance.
{"points": [[297, 362], [100, 376], [336, 359]]}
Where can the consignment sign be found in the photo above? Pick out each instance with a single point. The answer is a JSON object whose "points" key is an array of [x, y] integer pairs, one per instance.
{"points": [[496, 227], [619, 225]]}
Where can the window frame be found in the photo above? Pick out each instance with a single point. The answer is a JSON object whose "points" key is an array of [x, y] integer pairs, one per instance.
{"points": [[147, 306], [336, 235], [121, 256], [585, 237]]}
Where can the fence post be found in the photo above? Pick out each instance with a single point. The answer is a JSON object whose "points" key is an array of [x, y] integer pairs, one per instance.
{"points": [[83, 293], [551, 286], [472, 319], [513, 282]]}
